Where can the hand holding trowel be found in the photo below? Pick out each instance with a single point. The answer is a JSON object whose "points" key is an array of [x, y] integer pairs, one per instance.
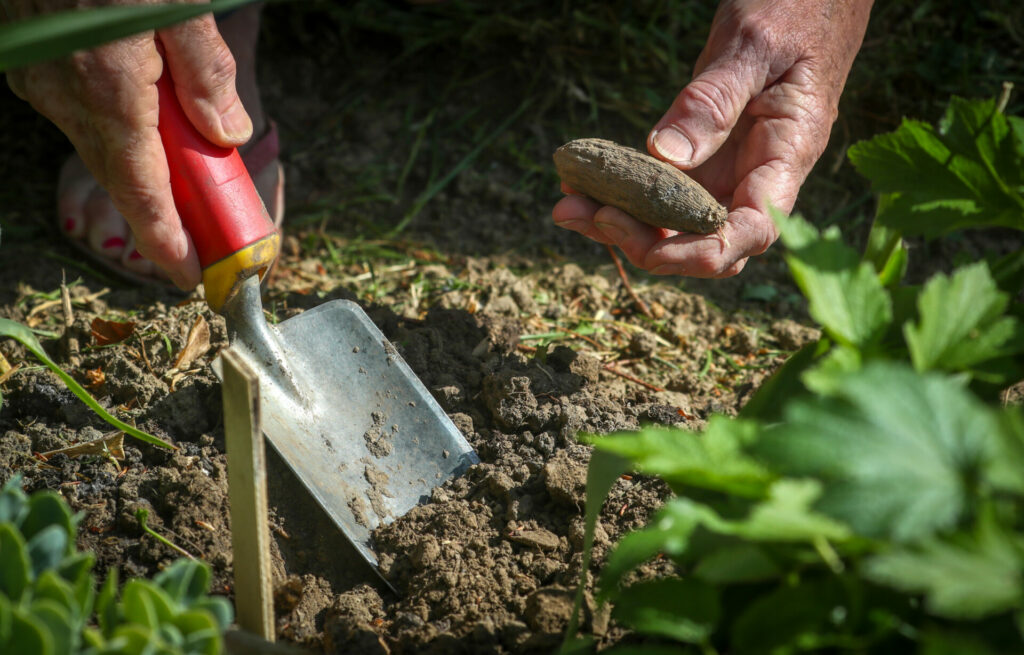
{"points": [[339, 405]]}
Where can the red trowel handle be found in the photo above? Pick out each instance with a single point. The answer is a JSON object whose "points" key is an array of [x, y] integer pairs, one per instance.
{"points": [[217, 202]]}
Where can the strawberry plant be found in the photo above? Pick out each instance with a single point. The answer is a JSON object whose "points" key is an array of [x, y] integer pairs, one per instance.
{"points": [[49, 604], [869, 497]]}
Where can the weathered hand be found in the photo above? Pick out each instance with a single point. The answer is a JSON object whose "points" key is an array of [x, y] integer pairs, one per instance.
{"points": [[749, 127], [105, 101]]}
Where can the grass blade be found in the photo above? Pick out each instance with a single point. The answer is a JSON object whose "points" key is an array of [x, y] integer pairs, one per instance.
{"points": [[22, 334], [50, 36]]}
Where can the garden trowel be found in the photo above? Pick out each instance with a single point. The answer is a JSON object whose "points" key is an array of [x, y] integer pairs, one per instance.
{"points": [[337, 402]]}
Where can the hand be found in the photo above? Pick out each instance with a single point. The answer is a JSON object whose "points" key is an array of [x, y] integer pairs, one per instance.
{"points": [[105, 101], [748, 127]]}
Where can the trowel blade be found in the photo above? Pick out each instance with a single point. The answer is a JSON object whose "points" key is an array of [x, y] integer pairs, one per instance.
{"points": [[350, 417]]}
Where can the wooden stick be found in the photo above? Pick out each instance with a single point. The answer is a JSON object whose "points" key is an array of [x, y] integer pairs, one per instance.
{"points": [[629, 287], [622, 374], [247, 492]]}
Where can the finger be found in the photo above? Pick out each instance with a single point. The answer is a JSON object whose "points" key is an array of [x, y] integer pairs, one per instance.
{"points": [[747, 232], [142, 193], [705, 112], [633, 237], [133, 260], [73, 189], [576, 213], [107, 232], [204, 78]]}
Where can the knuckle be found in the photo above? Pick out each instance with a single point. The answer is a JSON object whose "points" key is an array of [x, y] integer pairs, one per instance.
{"points": [[710, 99]]}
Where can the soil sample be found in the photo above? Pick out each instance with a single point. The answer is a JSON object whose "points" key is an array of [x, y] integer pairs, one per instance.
{"points": [[646, 188]]}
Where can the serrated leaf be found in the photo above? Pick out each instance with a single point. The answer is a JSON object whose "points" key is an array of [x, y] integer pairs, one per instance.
{"points": [[844, 293], [787, 516], [894, 449], [965, 174], [967, 577], [602, 472], [962, 321], [741, 563], [785, 617], [684, 610], [669, 532], [1005, 469], [713, 459], [106, 604]]}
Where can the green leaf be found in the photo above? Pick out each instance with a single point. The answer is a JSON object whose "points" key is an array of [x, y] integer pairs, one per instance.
{"points": [[201, 632], [712, 460], [962, 321], [50, 586], [222, 611], [13, 502], [58, 625], [28, 635], [48, 508], [15, 567], [844, 293], [46, 549], [668, 532], [787, 516], [19, 332], [742, 563], [49, 36], [965, 174], [887, 253], [1005, 469], [894, 449], [768, 401], [967, 577], [146, 604], [185, 581], [602, 472], [785, 617], [106, 605], [685, 610]]}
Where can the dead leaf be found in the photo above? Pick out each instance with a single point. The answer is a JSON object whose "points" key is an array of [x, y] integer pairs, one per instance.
{"points": [[109, 444], [95, 377], [197, 344], [106, 332]]}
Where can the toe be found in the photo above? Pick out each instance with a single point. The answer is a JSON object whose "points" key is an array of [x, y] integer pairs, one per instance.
{"points": [[73, 190], [106, 231], [132, 260]]}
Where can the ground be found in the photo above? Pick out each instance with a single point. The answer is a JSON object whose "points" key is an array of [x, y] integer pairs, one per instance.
{"points": [[418, 147]]}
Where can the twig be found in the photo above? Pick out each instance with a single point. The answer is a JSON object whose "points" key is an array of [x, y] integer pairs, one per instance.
{"points": [[629, 287], [592, 342], [622, 374], [70, 341]]}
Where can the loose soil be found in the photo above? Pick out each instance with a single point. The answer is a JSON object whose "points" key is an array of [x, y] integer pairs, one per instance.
{"points": [[525, 334]]}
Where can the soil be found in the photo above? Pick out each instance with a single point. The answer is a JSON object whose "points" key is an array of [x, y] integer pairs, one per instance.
{"points": [[525, 334]]}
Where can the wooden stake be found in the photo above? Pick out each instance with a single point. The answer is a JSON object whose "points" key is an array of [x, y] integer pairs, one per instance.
{"points": [[247, 492]]}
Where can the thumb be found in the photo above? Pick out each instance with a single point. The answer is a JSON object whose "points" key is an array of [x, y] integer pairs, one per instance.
{"points": [[204, 78], [703, 115]]}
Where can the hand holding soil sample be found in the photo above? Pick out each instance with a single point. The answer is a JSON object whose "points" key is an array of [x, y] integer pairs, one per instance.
{"points": [[648, 189]]}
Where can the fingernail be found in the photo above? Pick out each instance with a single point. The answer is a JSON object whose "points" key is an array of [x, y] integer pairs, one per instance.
{"points": [[612, 231], [664, 269], [673, 145], [135, 255], [113, 242], [69, 224], [236, 123]]}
